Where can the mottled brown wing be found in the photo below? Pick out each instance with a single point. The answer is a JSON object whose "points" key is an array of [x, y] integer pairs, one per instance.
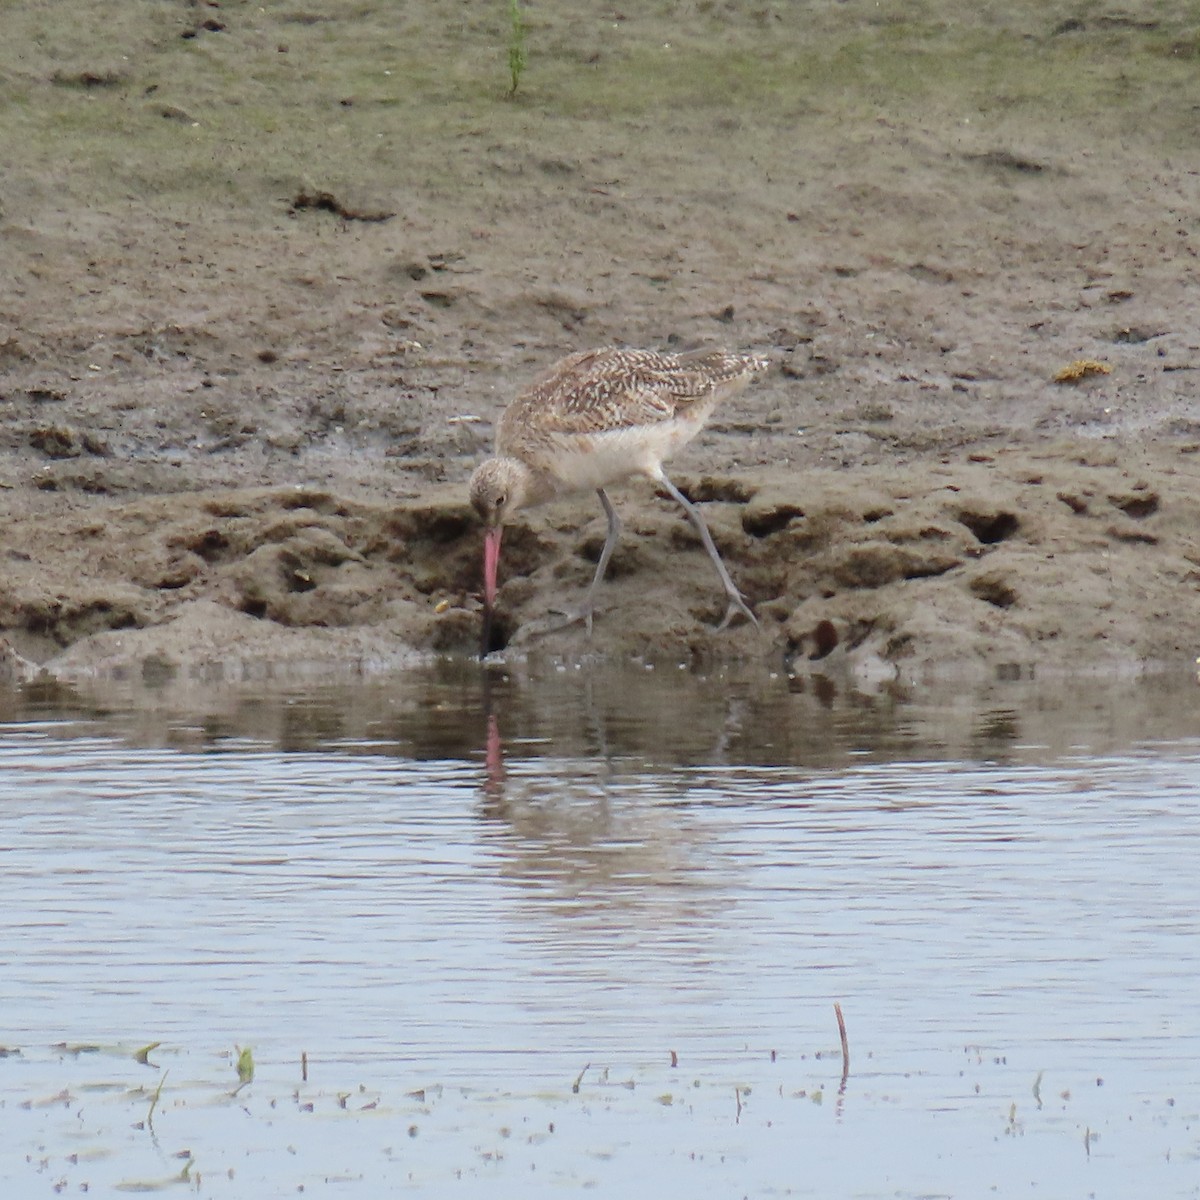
{"points": [[599, 390]]}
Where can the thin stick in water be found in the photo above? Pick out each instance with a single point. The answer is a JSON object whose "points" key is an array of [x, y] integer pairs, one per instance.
{"points": [[154, 1101], [837, 1008]]}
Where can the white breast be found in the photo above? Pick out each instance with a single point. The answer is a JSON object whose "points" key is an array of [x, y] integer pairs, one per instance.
{"points": [[594, 460]]}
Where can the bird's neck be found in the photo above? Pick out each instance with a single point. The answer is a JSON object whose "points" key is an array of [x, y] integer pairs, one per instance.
{"points": [[538, 487]]}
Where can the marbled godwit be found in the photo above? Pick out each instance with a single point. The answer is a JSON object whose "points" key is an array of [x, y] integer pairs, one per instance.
{"points": [[592, 419]]}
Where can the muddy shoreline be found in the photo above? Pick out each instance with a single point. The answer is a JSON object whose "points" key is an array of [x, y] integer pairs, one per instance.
{"points": [[237, 428]]}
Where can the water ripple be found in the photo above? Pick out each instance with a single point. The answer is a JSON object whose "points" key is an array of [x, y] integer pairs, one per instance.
{"points": [[534, 911]]}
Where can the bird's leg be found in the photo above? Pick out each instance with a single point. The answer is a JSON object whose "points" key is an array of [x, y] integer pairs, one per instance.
{"points": [[736, 602], [584, 613], [610, 541]]}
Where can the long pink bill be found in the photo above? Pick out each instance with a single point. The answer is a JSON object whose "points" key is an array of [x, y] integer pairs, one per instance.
{"points": [[491, 561]]}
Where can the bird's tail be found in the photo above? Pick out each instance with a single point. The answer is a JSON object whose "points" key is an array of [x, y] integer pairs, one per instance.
{"points": [[722, 364]]}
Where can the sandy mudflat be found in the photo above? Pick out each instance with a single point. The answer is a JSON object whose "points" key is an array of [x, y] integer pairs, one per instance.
{"points": [[237, 425]]}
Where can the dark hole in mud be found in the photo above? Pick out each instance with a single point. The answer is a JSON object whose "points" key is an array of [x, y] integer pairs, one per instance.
{"points": [[327, 202], [46, 690], [1138, 505], [767, 521], [731, 491], [931, 567], [177, 577], [1006, 160], [318, 501], [818, 643], [38, 622], [994, 591], [253, 606], [210, 25], [858, 633], [590, 548], [990, 527], [445, 527], [875, 514], [930, 274], [626, 560], [710, 488], [501, 632], [87, 79], [299, 580], [825, 639], [67, 625], [1133, 335], [210, 545], [55, 441], [224, 508]]}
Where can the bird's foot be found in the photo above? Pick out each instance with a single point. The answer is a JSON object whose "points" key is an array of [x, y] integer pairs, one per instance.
{"points": [[737, 605], [550, 623], [575, 616], [554, 620]]}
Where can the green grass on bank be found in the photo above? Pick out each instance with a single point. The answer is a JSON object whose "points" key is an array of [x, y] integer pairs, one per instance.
{"points": [[381, 92]]}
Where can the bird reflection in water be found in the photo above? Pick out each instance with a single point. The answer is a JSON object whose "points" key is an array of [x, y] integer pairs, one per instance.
{"points": [[493, 757], [598, 838]]}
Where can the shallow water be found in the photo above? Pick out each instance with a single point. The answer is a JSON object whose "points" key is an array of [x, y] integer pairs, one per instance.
{"points": [[653, 886]]}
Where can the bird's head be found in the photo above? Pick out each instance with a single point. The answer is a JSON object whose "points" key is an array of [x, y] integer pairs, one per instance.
{"points": [[498, 489]]}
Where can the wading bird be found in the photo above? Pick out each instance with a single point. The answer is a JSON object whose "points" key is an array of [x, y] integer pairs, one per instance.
{"points": [[592, 419]]}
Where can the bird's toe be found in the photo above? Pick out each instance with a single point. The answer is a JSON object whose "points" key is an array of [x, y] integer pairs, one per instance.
{"points": [[737, 605]]}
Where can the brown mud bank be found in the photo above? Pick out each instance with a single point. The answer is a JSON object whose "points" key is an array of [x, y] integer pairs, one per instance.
{"points": [[1010, 564], [237, 416]]}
